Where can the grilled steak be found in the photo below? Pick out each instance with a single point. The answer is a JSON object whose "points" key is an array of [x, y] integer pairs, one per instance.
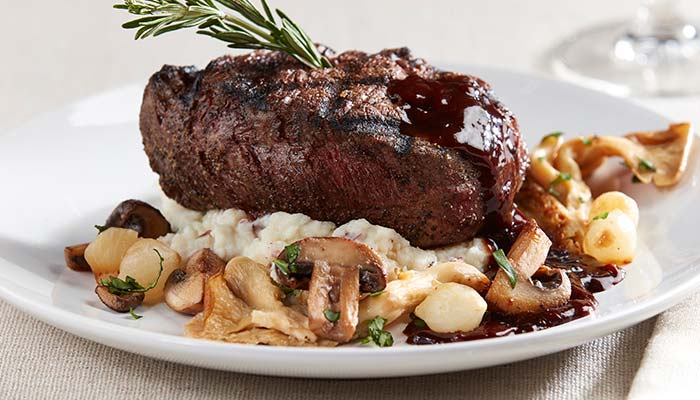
{"points": [[385, 137]]}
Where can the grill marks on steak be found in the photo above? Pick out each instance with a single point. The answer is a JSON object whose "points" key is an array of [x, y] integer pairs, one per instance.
{"points": [[262, 133]]}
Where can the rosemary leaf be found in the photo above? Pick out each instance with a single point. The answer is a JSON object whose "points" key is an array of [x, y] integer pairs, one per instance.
{"points": [[236, 22]]}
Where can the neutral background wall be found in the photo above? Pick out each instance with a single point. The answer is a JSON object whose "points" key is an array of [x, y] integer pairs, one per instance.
{"points": [[55, 51]]}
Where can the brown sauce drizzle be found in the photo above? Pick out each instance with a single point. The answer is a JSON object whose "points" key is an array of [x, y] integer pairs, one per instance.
{"points": [[436, 112], [503, 230], [587, 277]]}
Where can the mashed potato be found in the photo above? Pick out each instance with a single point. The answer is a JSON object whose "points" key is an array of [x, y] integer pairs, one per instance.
{"points": [[230, 233]]}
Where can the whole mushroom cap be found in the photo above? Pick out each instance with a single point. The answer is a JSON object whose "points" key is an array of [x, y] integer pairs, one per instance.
{"points": [[340, 270], [141, 217], [337, 251]]}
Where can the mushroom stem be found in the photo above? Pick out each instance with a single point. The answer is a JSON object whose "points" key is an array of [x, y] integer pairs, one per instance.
{"points": [[335, 289]]}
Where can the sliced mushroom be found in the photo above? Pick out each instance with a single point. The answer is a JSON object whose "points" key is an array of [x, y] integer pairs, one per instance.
{"points": [[459, 272], [243, 299], [527, 255], [223, 313], [556, 195], [294, 280], [75, 257], [206, 262], [564, 225], [119, 303], [250, 281], [264, 336], [659, 157], [184, 290], [342, 269], [372, 272], [141, 217]]}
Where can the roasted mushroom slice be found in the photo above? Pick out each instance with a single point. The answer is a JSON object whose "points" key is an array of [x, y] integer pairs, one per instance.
{"points": [[223, 313], [184, 290], [206, 262], [119, 303], [565, 226], [342, 269], [244, 298], [250, 281], [141, 217], [372, 278], [556, 194], [667, 151], [298, 277], [341, 251], [526, 256], [75, 257]]}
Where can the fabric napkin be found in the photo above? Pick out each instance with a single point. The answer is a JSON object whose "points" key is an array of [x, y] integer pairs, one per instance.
{"points": [[670, 368]]}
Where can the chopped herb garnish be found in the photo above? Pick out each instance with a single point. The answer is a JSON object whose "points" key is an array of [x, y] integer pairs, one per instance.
{"points": [[375, 294], [586, 141], [283, 266], [417, 321], [331, 315], [563, 176], [101, 228], [377, 334], [289, 291], [291, 253], [635, 179], [129, 284], [540, 158], [552, 135], [505, 265], [134, 315], [601, 216], [644, 164], [581, 200]]}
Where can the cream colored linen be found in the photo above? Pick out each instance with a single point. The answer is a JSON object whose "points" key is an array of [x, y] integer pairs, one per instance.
{"points": [[38, 361], [670, 368]]}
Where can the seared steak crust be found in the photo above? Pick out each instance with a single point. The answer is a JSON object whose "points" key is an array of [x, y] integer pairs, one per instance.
{"points": [[262, 133]]}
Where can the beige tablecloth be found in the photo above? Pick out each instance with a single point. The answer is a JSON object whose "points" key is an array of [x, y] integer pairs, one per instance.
{"points": [[39, 361], [53, 52]]}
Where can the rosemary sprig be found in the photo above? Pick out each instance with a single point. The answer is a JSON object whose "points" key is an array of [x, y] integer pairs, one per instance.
{"points": [[249, 29]]}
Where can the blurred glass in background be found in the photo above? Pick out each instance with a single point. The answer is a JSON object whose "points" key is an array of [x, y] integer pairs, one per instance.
{"points": [[655, 54]]}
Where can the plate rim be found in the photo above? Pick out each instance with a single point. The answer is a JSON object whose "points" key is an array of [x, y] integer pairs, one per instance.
{"points": [[120, 336]]}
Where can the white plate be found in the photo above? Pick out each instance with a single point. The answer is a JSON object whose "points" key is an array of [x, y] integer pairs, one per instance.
{"points": [[64, 171]]}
